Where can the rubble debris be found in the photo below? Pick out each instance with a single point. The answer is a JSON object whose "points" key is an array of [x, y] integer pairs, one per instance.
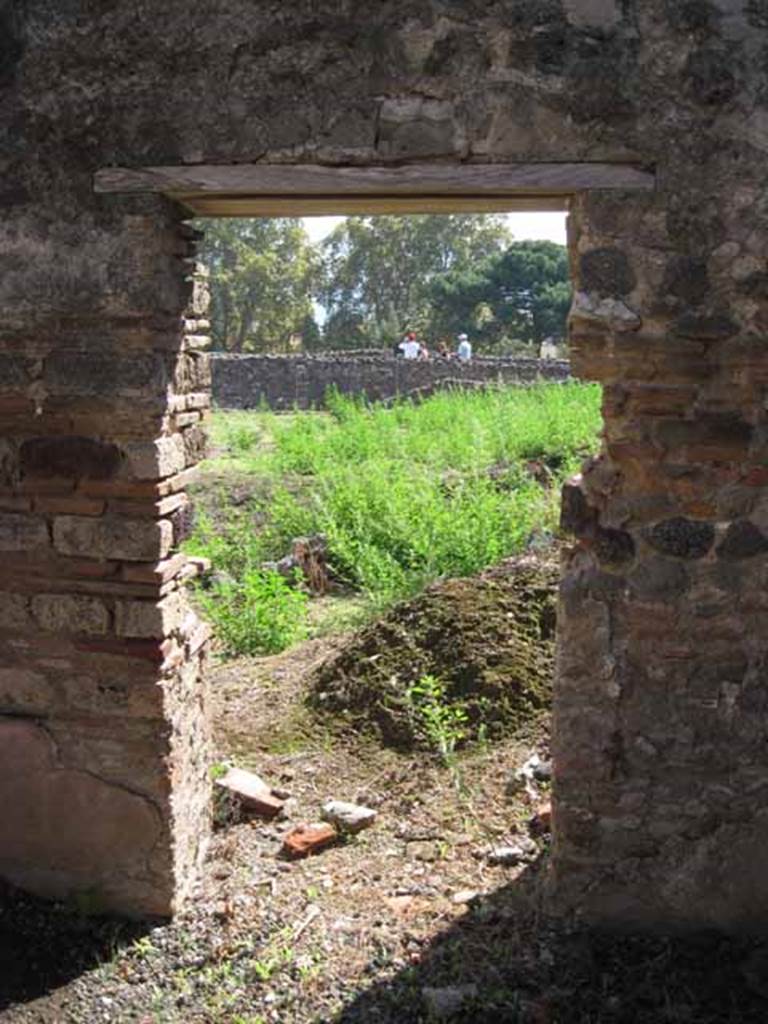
{"points": [[251, 791], [541, 822], [464, 896], [525, 778], [444, 1003], [348, 817], [489, 638], [306, 839], [307, 559], [523, 851]]}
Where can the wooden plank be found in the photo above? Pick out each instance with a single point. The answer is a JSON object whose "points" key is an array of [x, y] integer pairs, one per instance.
{"points": [[409, 179], [302, 206]]}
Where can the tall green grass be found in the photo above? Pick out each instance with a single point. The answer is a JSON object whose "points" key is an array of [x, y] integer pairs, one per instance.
{"points": [[402, 493]]}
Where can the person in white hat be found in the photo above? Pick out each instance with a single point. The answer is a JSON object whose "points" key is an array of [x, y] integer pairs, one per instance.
{"points": [[464, 351]]}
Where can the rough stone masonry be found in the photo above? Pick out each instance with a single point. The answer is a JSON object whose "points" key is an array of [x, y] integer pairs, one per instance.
{"points": [[661, 761], [246, 381]]}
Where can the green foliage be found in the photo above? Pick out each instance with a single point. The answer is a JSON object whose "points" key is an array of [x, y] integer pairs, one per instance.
{"points": [[377, 270], [261, 613], [522, 293], [378, 276], [403, 494], [442, 723], [261, 272]]}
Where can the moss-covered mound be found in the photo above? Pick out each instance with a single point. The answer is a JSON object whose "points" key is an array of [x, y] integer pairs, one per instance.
{"points": [[489, 639]]}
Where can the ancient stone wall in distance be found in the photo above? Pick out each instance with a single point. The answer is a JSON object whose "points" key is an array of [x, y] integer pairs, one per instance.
{"points": [[302, 382]]}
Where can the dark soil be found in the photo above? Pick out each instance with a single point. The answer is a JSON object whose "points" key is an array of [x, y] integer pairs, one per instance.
{"points": [[488, 638]]}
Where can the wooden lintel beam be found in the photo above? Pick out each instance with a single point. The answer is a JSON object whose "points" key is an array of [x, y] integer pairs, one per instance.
{"points": [[211, 205], [249, 180]]}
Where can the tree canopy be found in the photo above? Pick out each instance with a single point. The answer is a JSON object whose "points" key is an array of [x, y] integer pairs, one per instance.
{"points": [[377, 271], [262, 274], [376, 277], [520, 295]]}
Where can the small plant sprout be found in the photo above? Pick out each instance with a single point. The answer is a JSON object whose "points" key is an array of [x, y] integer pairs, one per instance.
{"points": [[442, 723]]}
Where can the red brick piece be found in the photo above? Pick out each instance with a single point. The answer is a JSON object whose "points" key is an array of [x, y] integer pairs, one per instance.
{"points": [[305, 839], [254, 793], [541, 822]]}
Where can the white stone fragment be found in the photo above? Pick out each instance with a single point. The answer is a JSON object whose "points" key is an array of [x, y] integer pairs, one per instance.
{"points": [[444, 1003], [613, 312], [348, 817]]}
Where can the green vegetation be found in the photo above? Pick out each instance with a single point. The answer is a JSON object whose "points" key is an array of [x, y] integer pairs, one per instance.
{"points": [[260, 271], [520, 295], [403, 495], [376, 272], [376, 277], [442, 723], [259, 613]]}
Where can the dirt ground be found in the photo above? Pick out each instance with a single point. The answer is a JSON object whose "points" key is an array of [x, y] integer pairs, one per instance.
{"points": [[364, 931]]}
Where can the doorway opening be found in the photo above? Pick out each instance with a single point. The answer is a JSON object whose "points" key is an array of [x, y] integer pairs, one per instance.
{"points": [[383, 578]]}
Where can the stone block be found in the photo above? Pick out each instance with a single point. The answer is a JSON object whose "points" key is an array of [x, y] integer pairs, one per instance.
{"points": [[134, 540], [15, 612], [69, 457], [742, 540], [153, 460], [606, 272], [74, 505], [9, 462], [23, 691], [15, 373], [576, 515], [150, 618], [681, 537], [22, 533], [103, 374], [593, 14], [68, 613]]}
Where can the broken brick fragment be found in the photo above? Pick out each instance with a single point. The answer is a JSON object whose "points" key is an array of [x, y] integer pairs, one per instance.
{"points": [[541, 822], [306, 839], [252, 792]]}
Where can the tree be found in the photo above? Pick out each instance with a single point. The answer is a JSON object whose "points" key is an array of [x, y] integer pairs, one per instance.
{"points": [[377, 270], [262, 272], [520, 295], [311, 337]]}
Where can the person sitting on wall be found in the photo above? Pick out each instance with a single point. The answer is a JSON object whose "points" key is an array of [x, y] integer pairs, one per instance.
{"points": [[442, 349], [464, 351], [423, 353], [409, 346]]}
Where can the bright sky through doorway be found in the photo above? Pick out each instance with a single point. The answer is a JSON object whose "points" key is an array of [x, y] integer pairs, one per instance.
{"points": [[549, 226]]}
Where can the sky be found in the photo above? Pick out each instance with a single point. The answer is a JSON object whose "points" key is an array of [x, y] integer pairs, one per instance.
{"points": [[549, 226]]}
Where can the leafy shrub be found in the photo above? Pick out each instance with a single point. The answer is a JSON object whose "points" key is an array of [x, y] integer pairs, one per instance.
{"points": [[404, 494], [261, 613]]}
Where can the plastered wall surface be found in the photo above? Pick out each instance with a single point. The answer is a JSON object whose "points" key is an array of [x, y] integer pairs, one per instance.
{"points": [[661, 807]]}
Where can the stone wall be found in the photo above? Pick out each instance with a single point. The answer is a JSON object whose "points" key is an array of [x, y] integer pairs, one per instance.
{"points": [[103, 730], [660, 761], [291, 381]]}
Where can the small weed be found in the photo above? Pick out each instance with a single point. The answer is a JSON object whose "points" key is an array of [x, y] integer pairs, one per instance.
{"points": [[143, 947], [442, 724], [259, 614]]}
